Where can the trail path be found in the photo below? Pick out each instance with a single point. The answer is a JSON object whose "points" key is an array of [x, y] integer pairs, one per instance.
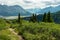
{"points": [[12, 30]]}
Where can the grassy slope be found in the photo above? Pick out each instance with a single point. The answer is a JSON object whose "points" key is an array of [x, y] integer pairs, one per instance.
{"points": [[5, 33], [8, 34], [32, 31], [40, 31]]}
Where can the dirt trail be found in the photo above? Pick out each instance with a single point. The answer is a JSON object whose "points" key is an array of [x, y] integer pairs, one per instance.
{"points": [[12, 30]]}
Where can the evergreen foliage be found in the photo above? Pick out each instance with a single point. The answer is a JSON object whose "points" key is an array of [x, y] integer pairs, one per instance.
{"points": [[19, 18], [33, 18], [49, 17], [44, 18]]}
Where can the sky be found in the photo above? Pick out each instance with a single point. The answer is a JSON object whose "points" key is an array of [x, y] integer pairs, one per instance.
{"points": [[28, 4]]}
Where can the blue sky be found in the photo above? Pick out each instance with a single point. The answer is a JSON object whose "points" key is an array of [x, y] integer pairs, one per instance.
{"points": [[27, 4]]}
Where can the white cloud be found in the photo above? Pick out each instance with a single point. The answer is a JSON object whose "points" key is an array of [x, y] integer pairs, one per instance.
{"points": [[31, 3]]}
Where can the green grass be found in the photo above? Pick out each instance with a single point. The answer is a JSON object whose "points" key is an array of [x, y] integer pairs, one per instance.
{"points": [[40, 31], [29, 30], [8, 35], [2, 24], [5, 33]]}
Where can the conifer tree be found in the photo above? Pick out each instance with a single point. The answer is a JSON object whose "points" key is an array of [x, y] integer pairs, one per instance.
{"points": [[19, 18], [49, 17], [33, 18], [44, 18]]}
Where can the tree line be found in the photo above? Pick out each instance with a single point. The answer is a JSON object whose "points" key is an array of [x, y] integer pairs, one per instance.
{"points": [[47, 17]]}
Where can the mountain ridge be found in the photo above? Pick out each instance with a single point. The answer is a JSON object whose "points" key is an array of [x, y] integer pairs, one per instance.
{"points": [[39, 10], [12, 10]]}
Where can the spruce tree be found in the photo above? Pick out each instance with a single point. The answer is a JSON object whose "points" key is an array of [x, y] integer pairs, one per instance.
{"points": [[49, 17], [19, 18], [19, 21], [44, 18], [33, 18]]}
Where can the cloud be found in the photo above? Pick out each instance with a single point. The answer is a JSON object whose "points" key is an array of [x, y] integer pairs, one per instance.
{"points": [[27, 1], [31, 3], [54, 2]]}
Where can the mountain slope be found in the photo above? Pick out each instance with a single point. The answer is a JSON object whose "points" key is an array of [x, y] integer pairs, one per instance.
{"points": [[39, 10], [12, 10]]}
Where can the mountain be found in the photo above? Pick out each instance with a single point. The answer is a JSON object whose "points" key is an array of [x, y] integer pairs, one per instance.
{"points": [[13, 10], [34, 10], [39, 10]]}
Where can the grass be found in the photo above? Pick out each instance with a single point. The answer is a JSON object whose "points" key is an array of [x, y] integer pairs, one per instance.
{"points": [[40, 31], [9, 35], [5, 33], [29, 30]]}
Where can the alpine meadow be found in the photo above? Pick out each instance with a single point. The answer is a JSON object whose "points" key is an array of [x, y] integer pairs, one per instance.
{"points": [[29, 19]]}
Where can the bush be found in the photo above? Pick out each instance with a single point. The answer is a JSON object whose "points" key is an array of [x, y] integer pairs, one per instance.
{"points": [[2, 24], [40, 31], [4, 37]]}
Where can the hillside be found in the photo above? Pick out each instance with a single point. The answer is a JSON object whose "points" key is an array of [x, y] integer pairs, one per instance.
{"points": [[12, 30], [38, 31], [5, 33], [12, 10]]}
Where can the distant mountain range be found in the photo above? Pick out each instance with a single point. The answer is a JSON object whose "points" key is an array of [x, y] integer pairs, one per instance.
{"points": [[39, 10], [12, 10]]}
